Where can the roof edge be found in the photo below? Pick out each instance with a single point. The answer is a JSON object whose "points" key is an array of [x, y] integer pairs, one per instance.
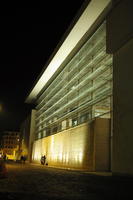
{"points": [[78, 28]]}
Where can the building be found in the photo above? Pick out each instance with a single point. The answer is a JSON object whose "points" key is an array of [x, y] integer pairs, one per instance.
{"points": [[10, 144], [83, 98], [27, 135]]}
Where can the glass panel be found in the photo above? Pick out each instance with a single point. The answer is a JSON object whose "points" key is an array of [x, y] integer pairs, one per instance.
{"points": [[80, 91]]}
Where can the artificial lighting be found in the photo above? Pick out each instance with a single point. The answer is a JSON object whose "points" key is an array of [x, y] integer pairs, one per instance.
{"points": [[94, 9]]}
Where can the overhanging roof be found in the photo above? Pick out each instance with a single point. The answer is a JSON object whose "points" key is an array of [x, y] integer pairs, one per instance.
{"points": [[89, 16]]}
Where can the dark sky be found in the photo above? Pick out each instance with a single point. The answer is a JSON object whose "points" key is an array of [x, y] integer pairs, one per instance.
{"points": [[28, 35]]}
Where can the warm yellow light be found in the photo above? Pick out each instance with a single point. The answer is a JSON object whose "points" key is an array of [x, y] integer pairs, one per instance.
{"points": [[80, 157], [64, 157], [67, 157], [60, 156], [63, 149]]}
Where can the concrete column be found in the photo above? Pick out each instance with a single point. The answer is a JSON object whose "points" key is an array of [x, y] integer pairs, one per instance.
{"points": [[120, 44], [32, 134], [123, 110]]}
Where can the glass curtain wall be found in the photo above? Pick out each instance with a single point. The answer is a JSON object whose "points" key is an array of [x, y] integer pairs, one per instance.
{"points": [[80, 92]]}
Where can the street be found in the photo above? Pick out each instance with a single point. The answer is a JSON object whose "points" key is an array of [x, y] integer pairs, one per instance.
{"points": [[34, 181]]}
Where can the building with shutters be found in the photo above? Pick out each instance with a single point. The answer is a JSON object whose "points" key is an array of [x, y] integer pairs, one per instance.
{"points": [[83, 115]]}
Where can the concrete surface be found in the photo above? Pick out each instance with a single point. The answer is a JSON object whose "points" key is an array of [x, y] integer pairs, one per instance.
{"points": [[29, 181]]}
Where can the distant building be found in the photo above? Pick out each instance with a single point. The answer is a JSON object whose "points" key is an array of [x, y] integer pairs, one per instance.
{"points": [[0, 145], [84, 97], [10, 144]]}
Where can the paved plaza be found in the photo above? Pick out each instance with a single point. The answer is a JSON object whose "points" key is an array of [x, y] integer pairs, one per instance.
{"points": [[36, 182]]}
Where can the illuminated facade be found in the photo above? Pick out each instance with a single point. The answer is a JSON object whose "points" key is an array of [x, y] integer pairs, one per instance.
{"points": [[76, 98], [10, 144], [79, 94], [69, 108]]}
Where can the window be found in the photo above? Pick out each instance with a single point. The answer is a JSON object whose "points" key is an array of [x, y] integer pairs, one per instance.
{"points": [[64, 125], [39, 135], [76, 93], [48, 131], [74, 122], [84, 117], [44, 133], [55, 129]]}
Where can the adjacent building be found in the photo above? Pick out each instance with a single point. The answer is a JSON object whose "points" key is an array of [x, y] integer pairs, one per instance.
{"points": [[27, 136], [10, 144], [83, 98]]}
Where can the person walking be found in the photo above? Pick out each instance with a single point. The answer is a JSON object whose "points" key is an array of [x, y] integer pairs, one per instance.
{"points": [[23, 159], [43, 160], [4, 157]]}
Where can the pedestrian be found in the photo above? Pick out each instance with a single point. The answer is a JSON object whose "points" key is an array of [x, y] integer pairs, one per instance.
{"points": [[23, 159], [4, 157], [43, 159]]}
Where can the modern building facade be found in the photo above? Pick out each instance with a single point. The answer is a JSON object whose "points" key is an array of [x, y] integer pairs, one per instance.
{"points": [[76, 123], [27, 136]]}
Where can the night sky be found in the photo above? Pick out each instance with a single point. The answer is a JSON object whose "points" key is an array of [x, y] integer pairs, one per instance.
{"points": [[29, 34]]}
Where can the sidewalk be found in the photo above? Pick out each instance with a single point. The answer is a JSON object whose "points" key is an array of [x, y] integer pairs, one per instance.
{"points": [[99, 173], [25, 181]]}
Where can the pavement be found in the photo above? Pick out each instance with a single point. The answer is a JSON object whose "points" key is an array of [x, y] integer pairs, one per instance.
{"points": [[3, 170], [37, 182]]}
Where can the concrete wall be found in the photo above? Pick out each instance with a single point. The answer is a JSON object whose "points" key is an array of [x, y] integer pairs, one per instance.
{"points": [[123, 110], [24, 136], [31, 135], [120, 43], [69, 148], [102, 144], [74, 148], [119, 25]]}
